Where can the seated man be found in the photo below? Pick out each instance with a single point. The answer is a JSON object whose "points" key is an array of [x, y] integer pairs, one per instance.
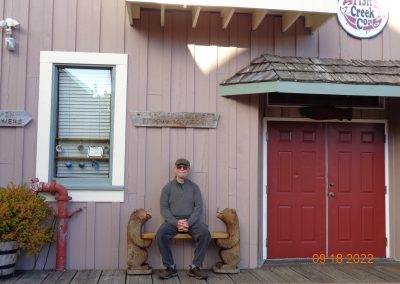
{"points": [[181, 206]]}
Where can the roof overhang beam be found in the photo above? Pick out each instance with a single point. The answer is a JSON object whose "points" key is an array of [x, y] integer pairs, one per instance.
{"points": [[226, 15], [195, 16], [313, 22], [288, 19], [162, 20], [133, 12], [258, 16]]}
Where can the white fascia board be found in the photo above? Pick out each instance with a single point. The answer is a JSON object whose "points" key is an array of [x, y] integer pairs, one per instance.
{"points": [[310, 88], [316, 6]]}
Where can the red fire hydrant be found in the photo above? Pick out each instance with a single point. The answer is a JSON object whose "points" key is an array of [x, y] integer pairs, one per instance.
{"points": [[62, 216]]}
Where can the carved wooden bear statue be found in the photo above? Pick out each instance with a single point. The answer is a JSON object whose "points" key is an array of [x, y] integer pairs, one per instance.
{"points": [[230, 247], [137, 253]]}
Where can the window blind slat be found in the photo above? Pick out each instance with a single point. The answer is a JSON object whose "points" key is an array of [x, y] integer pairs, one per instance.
{"points": [[84, 111]]}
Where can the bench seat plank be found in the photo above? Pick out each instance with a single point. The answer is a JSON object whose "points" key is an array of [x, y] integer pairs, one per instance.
{"points": [[214, 235]]}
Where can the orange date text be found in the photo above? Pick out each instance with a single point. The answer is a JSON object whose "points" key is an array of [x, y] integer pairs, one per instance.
{"points": [[338, 258]]}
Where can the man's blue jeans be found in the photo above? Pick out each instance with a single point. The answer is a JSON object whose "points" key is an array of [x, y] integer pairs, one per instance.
{"points": [[200, 234]]}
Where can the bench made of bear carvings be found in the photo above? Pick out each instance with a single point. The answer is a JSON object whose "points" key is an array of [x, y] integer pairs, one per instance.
{"points": [[228, 242]]}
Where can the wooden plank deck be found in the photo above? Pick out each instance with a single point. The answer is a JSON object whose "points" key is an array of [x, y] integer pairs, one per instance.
{"points": [[275, 273]]}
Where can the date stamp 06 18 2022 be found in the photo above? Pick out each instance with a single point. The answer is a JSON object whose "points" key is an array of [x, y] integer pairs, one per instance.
{"points": [[349, 258]]}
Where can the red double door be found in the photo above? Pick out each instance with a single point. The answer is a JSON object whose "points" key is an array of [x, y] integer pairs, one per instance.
{"points": [[326, 189]]}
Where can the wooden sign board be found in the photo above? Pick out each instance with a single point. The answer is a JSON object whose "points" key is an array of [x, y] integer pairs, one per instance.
{"points": [[175, 119], [14, 118]]}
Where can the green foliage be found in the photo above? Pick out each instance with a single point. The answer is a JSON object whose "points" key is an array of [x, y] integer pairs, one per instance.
{"points": [[24, 217]]}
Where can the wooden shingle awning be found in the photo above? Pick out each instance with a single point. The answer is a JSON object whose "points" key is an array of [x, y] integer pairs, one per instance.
{"points": [[284, 74], [316, 12]]}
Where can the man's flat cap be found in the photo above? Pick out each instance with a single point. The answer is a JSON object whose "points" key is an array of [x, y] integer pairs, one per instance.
{"points": [[182, 161]]}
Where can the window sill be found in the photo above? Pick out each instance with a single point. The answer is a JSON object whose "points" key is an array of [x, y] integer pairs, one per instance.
{"points": [[90, 191], [89, 185], [91, 196]]}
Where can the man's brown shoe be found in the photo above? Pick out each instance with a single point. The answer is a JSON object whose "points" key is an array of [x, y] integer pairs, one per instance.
{"points": [[196, 272], [168, 273]]}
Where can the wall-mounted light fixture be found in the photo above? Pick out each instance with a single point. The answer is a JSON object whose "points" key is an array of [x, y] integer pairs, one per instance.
{"points": [[8, 25]]}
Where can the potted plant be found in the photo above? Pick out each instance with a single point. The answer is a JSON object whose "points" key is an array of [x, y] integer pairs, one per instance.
{"points": [[25, 223]]}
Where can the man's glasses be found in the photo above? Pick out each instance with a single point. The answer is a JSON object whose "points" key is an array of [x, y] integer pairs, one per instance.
{"points": [[182, 167]]}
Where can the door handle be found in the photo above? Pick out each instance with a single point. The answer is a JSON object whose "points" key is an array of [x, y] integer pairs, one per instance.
{"points": [[331, 194]]}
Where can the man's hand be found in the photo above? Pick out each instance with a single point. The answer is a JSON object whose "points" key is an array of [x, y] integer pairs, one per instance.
{"points": [[182, 225]]}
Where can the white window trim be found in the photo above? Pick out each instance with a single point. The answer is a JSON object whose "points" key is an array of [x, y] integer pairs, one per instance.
{"points": [[48, 59]]}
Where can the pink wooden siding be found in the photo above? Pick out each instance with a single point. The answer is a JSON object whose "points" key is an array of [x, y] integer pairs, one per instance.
{"points": [[163, 76]]}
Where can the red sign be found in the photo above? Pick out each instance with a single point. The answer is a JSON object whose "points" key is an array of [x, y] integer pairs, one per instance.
{"points": [[363, 18]]}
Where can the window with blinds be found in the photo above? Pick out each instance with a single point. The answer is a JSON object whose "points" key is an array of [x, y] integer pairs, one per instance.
{"points": [[82, 146]]}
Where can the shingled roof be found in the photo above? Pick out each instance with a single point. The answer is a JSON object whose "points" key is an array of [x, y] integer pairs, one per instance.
{"points": [[328, 72]]}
